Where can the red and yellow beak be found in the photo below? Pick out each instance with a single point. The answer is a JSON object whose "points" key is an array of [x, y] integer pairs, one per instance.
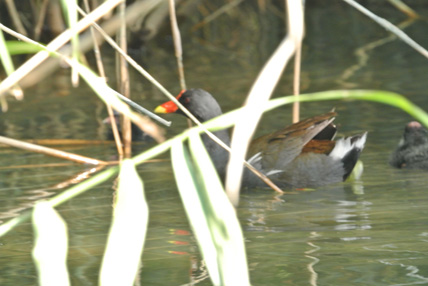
{"points": [[169, 106], [166, 107]]}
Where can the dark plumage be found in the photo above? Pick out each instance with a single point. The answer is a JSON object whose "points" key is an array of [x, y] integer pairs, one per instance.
{"points": [[412, 150]]}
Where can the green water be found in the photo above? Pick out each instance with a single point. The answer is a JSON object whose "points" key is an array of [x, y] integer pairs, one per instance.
{"points": [[373, 231]]}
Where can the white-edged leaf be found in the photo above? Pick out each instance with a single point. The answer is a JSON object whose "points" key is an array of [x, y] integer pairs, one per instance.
{"points": [[50, 249], [183, 171], [128, 230]]}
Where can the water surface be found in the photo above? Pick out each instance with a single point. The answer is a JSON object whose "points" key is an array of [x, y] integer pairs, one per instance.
{"points": [[368, 232]]}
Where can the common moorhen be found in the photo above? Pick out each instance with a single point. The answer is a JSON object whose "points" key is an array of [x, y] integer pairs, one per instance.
{"points": [[301, 155], [412, 150]]}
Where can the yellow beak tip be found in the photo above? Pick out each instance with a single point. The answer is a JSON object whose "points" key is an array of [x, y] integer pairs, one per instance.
{"points": [[160, 109]]}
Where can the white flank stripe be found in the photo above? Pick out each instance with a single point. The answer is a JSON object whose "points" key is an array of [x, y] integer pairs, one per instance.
{"points": [[344, 145], [256, 157]]}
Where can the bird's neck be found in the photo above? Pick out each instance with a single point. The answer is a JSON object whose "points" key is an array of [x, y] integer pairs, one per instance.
{"points": [[218, 154]]}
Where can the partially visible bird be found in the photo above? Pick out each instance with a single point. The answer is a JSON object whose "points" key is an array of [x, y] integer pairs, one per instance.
{"points": [[412, 150]]}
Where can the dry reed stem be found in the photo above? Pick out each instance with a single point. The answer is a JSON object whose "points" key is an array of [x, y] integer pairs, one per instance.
{"points": [[75, 179], [259, 94], [40, 20], [55, 17], [123, 81], [224, 9], [297, 68], [177, 43], [97, 52], [15, 17], [296, 83], [390, 27], [56, 165], [50, 151], [400, 5], [65, 142], [178, 48], [101, 71]]}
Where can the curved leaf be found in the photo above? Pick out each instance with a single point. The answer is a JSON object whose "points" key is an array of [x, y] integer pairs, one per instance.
{"points": [[128, 230]]}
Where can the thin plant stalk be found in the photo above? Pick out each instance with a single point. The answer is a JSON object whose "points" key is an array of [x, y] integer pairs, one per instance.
{"points": [[296, 77], [296, 83], [177, 43], [50, 151], [390, 27], [123, 81], [178, 48], [55, 18], [40, 19], [403, 7], [62, 197], [224, 9], [15, 17], [101, 71], [70, 8], [97, 51], [259, 94], [116, 135]]}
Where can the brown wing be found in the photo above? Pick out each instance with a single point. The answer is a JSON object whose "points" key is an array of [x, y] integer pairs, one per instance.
{"points": [[319, 146], [280, 148]]}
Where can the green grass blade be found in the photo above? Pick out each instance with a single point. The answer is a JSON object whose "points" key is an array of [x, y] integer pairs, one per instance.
{"points": [[221, 216], [128, 230], [19, 48], [50, 250], [384, 97], [5, 55], [187, 186]]}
